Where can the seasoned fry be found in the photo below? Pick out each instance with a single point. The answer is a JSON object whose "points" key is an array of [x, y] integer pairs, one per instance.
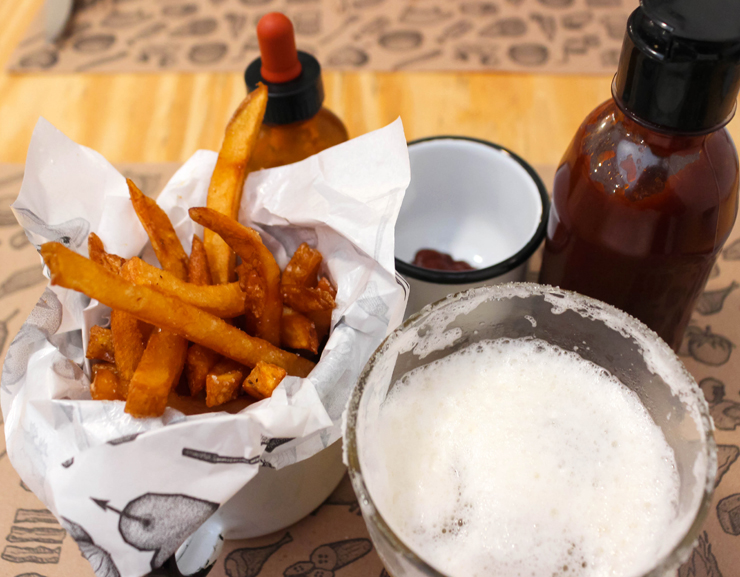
{"points": [[307, 300], [225, 301], [247, 243], [199, 273], [105, 385], [100, 345], [75, 272], [322, 319], [298, 332], [223, 382], [263, 380], [128, 345], [326, 286], [165, 243], [227, 181], [303, 268], [108, 366], [158, 371], [199, 363]]}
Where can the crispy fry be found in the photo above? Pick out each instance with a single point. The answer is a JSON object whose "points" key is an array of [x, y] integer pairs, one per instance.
{"points": [[100, 345], [199, 273], [227, 181], [105, 385], [300, 286], [158, 371], [307, 300], [298, 332], [222, 388], [100, 366], [263, 380], [165, 243], [95, 248], [75, 272], [303, 268], [322, 319], [128, 345], [247, 243], [200, 361], [223, 382], [225, 301]]}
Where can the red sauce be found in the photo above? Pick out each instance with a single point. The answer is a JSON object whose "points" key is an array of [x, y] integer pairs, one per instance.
{"points": [[639, 217], [435, 260]]}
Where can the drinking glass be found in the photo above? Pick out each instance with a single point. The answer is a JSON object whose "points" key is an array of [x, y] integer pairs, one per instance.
{"points": [[598, 333]]}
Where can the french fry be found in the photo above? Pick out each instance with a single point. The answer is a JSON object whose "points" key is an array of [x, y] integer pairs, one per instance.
{"points": [[199, 273], [263, 380], [199, 363], [225, 301], [100, 345], [165, 243], [75, 272], [98, 254], [247, 243], [322, 319], [303, 268], [158, 371], [128, 345], [298, 332], [299, 285], [227, 181], [223, 382], [105, 385], [165, 350]]}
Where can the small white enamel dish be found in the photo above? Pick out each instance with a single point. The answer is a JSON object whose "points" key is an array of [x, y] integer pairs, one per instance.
{"points": [[476, 201]]}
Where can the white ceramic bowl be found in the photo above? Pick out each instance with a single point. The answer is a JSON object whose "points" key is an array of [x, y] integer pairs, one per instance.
{"points": [[475, 201]]}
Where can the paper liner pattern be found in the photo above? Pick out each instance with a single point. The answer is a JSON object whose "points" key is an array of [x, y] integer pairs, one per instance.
{"points": [[31, 549], [133, 490], [575, 36]]}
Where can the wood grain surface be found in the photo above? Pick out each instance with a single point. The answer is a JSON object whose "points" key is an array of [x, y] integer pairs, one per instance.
{"points": [[166, 117]]}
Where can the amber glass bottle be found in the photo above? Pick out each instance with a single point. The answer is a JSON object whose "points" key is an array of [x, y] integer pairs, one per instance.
{"points": [[647, 192], [296, 125]]}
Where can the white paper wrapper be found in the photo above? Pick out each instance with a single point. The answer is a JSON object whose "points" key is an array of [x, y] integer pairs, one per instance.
{"points": [[96, 468]]}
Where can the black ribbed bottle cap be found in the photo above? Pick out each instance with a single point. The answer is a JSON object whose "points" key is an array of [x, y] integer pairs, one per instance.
{"points": [[292, 101], [680, 64]]}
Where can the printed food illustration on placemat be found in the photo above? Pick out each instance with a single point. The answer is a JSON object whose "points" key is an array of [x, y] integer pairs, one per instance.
{"points": [[576, 36]]}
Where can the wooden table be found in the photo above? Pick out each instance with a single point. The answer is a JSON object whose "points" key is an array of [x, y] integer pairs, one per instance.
{"points": [[166, 117]]}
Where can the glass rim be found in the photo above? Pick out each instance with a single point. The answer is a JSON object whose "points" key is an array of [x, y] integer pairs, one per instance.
{"points": [[678, 553]]}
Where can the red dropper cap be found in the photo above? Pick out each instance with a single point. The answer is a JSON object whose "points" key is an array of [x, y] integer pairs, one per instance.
{"points": [[277, 47]]}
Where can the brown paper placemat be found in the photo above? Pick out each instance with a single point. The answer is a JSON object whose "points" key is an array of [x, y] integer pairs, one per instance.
{"points": [[573, 36], [36, 546]]}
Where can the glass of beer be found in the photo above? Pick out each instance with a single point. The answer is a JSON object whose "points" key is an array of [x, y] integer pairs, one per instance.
{"points": [[520, 429]]}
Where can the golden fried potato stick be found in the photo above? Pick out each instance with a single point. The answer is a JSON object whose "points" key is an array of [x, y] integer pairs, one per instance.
{"points": [[75, 272], [128, 345], [227, 182], [157, 373], [263, 380], [152, 387], [322, 319], [298, 332], [223, 382], [165, 243], [199, 273], [247, 243], [199, 363], [303, 268], [225, 301], [100, 345], [105, 385]]}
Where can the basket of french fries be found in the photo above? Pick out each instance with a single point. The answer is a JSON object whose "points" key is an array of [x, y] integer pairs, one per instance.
{"points": [[190, 346]]}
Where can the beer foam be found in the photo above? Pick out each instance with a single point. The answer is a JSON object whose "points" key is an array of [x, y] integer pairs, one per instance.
{"points": [[517, 458]]}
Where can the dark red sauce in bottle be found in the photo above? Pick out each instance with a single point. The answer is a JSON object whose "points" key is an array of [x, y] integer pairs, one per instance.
{"points": [[638, 217], [647, 192]]}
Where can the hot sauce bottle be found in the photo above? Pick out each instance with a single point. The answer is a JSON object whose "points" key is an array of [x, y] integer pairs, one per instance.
{"points": [[647, 192], [296, 125]]}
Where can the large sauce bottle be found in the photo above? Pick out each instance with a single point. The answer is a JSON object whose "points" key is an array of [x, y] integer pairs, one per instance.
{"points": [[647, 192], [296, 125]]}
